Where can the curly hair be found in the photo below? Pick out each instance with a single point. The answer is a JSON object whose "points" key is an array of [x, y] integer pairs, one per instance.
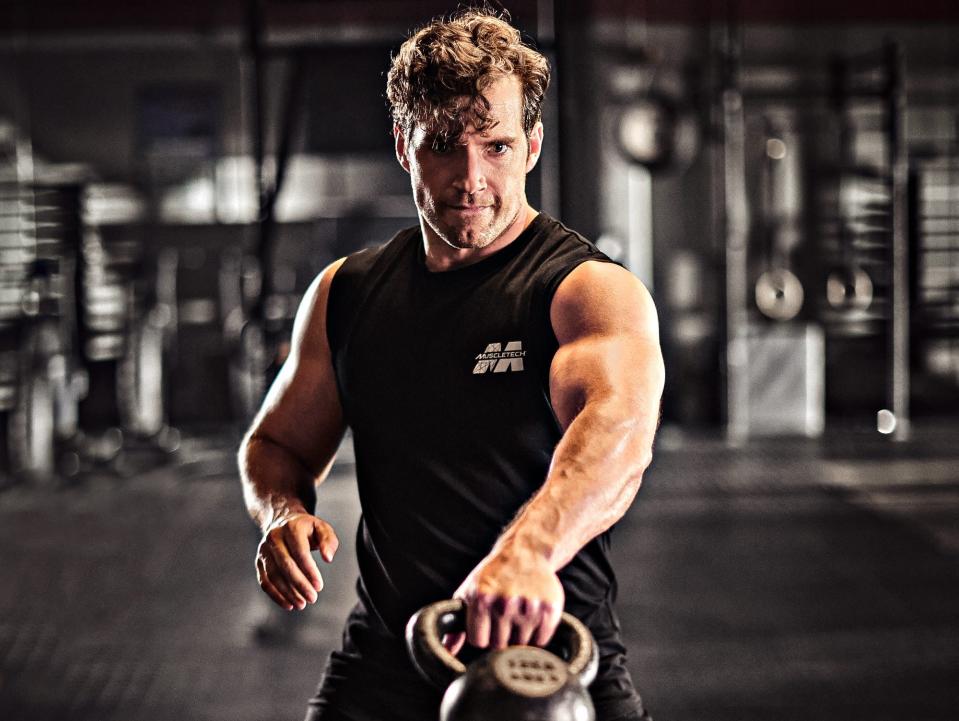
{"points": [[438, 76]]}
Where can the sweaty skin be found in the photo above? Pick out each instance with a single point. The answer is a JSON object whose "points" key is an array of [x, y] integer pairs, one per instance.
{"points": [[606, 381]]}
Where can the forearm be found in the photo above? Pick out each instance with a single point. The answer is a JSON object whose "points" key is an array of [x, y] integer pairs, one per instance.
{"points": [[595, 473], [605, 382], [275, 482]]}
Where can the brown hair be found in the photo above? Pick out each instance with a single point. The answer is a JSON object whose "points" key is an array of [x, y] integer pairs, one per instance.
{"points": [[438, 76]]}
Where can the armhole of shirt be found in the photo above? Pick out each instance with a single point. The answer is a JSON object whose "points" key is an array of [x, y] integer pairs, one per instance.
{"points": [[351, 284], [340, 305]]}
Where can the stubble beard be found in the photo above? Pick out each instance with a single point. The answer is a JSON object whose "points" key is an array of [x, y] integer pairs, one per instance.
{"points": [[473, 236]]}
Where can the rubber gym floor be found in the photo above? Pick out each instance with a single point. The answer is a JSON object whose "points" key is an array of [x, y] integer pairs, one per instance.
{"points": [[782, 580]]}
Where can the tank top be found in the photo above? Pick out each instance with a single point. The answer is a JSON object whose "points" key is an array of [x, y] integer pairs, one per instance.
{"points": [[443, 378]]}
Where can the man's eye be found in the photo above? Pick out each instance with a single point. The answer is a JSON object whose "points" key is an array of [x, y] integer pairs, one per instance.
{"points": [[499, 148], [441, 146]]}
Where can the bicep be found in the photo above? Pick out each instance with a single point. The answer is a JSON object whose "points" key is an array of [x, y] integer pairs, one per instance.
{"points": [[302, 411], [608, 334]]}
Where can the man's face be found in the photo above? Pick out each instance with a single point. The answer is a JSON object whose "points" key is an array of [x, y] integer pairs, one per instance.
{"points": [[470, 190]]}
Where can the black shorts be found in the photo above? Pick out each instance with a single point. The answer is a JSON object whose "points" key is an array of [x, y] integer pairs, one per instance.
{"points": [[372, 679]]}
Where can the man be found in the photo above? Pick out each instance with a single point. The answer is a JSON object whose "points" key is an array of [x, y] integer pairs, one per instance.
{"points": [[502, 382]]}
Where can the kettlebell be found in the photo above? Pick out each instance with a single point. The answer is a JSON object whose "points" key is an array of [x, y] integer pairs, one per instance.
{"points": [[517, 683]]}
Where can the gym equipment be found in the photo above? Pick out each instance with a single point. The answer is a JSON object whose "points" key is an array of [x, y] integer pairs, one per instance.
{"points": [[140, 377], [260, 336], [58, 223], [851, 211], [849, 287], [864, 230], [127, 316], [16, 253], [519, 683], [728, 100], [657, 132], [106, 266], [779, 293], [39, 335], [862, 202], [785, 380]]}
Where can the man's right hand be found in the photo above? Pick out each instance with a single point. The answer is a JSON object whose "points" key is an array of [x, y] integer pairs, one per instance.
{"points": [[284, 567]]}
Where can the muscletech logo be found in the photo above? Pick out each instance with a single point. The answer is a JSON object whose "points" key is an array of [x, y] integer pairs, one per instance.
{"points": [[498, 360]]}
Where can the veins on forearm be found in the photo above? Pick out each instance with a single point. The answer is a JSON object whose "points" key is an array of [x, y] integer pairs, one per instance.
{"points": [[596, 471]]}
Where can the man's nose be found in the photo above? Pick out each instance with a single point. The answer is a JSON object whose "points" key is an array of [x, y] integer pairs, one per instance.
{"points": [[470, 173]]}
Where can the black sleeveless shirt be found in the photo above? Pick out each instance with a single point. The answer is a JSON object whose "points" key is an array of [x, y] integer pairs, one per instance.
{"points": [[443, 378]]}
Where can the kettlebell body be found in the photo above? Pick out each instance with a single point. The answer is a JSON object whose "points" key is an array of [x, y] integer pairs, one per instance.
{"points": [[518, 683]]}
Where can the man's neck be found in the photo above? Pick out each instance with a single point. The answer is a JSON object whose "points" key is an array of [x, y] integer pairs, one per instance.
{"points": [[441, 256]]}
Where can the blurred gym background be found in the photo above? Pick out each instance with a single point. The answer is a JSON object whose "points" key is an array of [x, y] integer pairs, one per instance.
{"points": [[784, 178]]}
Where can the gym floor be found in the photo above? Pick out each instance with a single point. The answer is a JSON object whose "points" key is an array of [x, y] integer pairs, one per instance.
{"points": [[783, 580]]}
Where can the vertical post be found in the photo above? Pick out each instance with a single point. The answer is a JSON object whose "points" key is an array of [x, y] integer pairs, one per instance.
{"points": [[898, 386], [254, 38], [737, 233], [639, 254], [549, 162]]}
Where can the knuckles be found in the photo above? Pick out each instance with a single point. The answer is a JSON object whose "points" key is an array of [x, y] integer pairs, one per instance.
{"points": [[499, 619]]}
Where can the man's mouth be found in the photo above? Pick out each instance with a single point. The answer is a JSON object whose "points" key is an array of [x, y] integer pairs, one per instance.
{"points": [[469, 208]]}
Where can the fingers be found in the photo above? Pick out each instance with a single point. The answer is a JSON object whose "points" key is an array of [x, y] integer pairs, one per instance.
{"points": [[271, 590], [302, 568], [497, 621], [277, 587], [478, 620], [501, 621], [547, 627], [295, 568], [275, 576], [324, 538], [529, 614], [286, 569]]}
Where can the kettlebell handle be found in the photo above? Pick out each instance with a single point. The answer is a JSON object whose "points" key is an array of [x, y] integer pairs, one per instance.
{"points": [[427, 627]]}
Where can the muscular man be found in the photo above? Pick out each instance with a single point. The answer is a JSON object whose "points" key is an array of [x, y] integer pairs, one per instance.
{"points": [[502, 382]]}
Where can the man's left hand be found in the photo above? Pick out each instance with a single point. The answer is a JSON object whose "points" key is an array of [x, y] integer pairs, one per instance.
{"points": [[512, 597]]}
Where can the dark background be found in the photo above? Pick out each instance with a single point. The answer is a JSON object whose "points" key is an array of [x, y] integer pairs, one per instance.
{"points": [[172, 177]]}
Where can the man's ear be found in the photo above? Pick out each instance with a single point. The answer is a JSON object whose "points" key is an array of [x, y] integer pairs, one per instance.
{"points": [[534, 145], [399, 139]]}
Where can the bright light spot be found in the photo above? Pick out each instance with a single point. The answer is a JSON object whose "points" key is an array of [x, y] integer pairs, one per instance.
{"points": [[775, 148], [885, 421], [612, 246]]}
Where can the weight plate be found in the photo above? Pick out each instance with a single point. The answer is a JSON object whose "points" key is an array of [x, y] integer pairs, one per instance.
{"points": [[779, 294], [849, 289]]}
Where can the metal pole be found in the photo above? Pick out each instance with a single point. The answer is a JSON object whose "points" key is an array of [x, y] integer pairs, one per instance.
{"points": [[255, 20], [550, 176], [898, 386], [737, 234]]}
